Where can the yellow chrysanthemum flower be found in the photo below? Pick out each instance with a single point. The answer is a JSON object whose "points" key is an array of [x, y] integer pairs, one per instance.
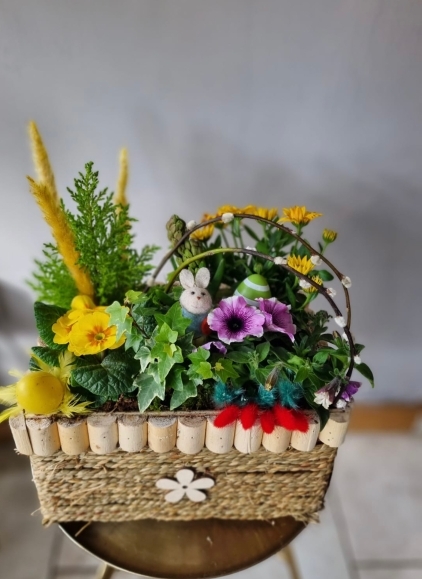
{"points": [[92, 334], [298, 215], [43, 391], [312, 289], [328, 235], [204, 233], [265, 212], [227, 209], [300, 264]]}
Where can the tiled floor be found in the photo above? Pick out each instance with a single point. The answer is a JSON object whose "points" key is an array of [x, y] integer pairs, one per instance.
{"points": [[370, 529]]}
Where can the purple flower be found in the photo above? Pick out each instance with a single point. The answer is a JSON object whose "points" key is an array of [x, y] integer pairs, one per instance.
{"points": [[216, 345], [277, 317], [233, 320], [351, 390]]}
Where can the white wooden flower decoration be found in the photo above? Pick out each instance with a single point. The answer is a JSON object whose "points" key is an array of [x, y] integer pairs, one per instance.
{"points": [[185, 485]]}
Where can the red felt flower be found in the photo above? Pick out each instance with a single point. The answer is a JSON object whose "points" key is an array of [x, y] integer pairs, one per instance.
{"points": [[248, 415], [290, 419], [268, 421]]}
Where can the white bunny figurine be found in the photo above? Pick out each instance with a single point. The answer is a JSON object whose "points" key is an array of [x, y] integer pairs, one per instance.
{"points": [[196, 301]]}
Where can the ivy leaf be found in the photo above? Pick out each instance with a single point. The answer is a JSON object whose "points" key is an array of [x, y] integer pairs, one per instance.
{"points": [[144, 356], [166, 355], [180, 396], [166, 334], [149, 388], [366, 373], [199, 356], [133, 297], [224, 370], [110, 377], [174, 379], [45, 317], [134, 339], [119, 318], [263, 351], [175, 319]]}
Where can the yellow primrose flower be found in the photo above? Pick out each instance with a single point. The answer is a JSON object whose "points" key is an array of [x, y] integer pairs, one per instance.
{"points": [[63, 326], [92, 334], [300, 264], [266, 213], [298, 215], [328, 235], [43, 391], [311, 289]]}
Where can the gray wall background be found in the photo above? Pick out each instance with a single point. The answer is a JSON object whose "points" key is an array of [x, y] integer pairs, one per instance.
{"points": [[279, 102]]}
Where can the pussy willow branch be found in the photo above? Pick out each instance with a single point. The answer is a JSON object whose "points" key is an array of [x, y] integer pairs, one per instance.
{"points": [[319, 288], [339, 275]]}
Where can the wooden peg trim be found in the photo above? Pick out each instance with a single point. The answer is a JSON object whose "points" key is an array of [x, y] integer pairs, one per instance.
{"points": [[191, 434], [219, 440], [306, 441], [334, 432], [278, 441], [73, 434], [162, 433], [102, 432], [133, 432], [20, 434], [247, 441], [44, 435]]}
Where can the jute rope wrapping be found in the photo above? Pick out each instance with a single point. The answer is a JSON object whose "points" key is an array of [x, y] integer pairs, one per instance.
{"points": [[122, 487]]}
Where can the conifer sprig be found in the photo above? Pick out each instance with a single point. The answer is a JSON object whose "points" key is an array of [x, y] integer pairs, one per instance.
{"points": [[103, 239]]}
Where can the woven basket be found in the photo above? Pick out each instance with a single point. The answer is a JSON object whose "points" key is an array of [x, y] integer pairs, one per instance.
{"points": [[253, 478]]}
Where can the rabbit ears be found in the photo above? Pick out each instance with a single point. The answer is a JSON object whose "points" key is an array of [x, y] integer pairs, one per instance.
{"points": [[202, 278]]}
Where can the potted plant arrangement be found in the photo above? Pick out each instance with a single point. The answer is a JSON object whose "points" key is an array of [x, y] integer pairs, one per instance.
{"points": [[214, 391]]}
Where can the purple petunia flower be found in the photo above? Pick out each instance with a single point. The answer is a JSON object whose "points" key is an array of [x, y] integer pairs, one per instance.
{"points": [[351, 389], [234, 320], [216, 345], [325, 395], [277, 317]]}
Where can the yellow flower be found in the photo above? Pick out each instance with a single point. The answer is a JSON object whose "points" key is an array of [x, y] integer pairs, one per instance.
{"points": [[204, 233], [312, 289], [227, 209], [82, 303], [300, 264], [298, 215], [328, 235], [43, 391], [92, 334], [62, 328], [266, 213]]}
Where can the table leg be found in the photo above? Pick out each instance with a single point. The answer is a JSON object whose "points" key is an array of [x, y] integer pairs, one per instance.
{"points": [[287, 555], [104, 571]]}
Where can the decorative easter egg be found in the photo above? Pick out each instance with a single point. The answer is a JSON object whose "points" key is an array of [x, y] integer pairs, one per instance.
{"points": [[253, 287]]}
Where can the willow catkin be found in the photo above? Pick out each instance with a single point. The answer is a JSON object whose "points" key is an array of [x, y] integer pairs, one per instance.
{"points": [[56, 219]]}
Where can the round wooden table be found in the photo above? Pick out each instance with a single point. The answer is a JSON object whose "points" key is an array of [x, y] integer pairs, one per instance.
{"points": [[180, 549]]}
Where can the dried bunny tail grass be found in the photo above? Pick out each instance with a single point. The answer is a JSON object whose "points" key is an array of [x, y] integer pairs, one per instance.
{"points": [[120, 196], [42, 163], [56, 219]]}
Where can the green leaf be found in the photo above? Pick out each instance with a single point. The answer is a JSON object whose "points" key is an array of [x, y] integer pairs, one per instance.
{"points": [[224, 369], [180, 396], [295, 361], [119, 318], [166, 334], [291, 296], [45, 317], [218, 276], [251, 233], [134, 339], [149, 388], [108, 378], [46, 355], [366, 372], [199, 356], [324, 274], [133, 297], [144, 356], [174, 379], [263, 351], [302, 374], [240, 357], [166, 357], [175, 319], [321, 357]]}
